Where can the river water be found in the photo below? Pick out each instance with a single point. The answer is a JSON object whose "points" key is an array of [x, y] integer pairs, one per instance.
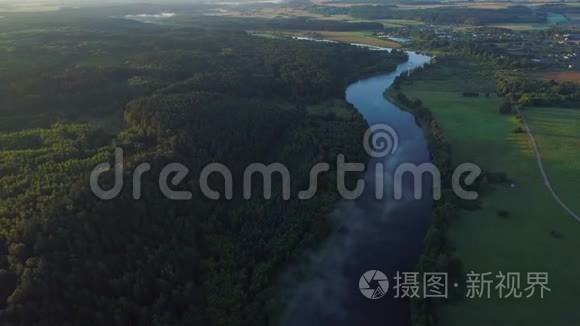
{"points": [[385, 235]]}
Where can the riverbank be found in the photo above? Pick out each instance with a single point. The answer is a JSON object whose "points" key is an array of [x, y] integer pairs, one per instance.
{"points": [[517, 227], [350, 37], [437, 242], [374, 234]]}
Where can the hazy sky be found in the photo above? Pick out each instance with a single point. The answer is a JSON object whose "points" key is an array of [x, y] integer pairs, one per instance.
{"points": [[42, 5], [66, 2], [47, 4]]}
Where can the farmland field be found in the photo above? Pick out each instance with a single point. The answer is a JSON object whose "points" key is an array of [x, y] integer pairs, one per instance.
{"points": [[522, 27], [297, 12], [523, 240], [557, 133], [573, 76], [346, 37], [358, 37]]}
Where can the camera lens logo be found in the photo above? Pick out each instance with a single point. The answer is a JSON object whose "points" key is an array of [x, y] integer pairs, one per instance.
{"points": [[381, 280]]}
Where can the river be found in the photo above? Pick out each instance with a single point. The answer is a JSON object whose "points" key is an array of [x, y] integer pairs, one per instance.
{"points": [[385, 235]]}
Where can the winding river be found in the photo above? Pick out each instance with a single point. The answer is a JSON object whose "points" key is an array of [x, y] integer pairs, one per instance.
{"points": [[385, 235]]}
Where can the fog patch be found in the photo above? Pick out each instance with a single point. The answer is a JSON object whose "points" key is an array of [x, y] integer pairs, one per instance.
{"points": [[150, 18]]}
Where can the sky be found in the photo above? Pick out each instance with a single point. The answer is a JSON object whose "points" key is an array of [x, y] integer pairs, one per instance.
{"points": [[42, 5], [67, 2]]}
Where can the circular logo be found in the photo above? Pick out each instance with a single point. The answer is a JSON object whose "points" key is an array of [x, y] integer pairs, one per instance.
{"points": [[380, 140], [373, 293]]}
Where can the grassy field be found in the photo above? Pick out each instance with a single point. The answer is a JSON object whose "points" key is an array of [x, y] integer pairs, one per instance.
{"points": [[360, 37], [283, 12], [537, 236], [478, 5], [19, 7], [398, 22], [557, 132], [523, 27], [553, 19]]}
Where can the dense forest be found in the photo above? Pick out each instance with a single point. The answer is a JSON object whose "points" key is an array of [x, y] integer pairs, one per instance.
{"points": [[71, 90]]}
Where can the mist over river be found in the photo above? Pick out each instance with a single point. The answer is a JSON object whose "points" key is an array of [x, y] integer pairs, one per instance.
{"points": [[385, 235]]}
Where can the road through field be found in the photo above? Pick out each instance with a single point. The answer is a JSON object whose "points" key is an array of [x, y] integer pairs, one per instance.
{"points": [[541, 166]]}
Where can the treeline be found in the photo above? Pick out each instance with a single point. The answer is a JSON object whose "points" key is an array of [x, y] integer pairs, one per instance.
{"points": [[439, 16], [525, 92], [297, 23], [197, 97], [480, 50], [438, 254]]}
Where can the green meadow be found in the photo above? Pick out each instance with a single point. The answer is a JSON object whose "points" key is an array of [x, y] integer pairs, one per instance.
{"points": [[557, 133], [536, 234]]}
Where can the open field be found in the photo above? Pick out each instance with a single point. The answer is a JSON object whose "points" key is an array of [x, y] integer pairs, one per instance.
{"points": [[573, 76], [346, 37], [537, 235], [557, 133], [21, 9], [522, 27], [358, 37], [553, 19], [281, 12], [398, 22], [284, 12], [483, 5], [469, 4], [268, 13]]}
